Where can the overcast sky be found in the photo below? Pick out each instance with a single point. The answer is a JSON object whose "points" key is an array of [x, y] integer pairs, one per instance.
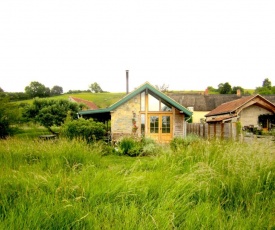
{"points": [[186, 44]]}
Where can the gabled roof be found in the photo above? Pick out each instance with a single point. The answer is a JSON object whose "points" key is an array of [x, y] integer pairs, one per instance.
{"points": [[202, 102], [233, 106], [145, 86], [89, 104]]}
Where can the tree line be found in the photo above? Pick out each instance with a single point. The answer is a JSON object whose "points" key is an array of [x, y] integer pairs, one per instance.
{"points": [[37, 89], [226, 88]]}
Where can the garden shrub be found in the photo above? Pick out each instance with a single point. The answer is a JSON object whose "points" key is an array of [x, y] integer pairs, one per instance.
{"points": [[88, 130], [129, 146], [4, 128], [132, 146], [179, 143], [149, 147]]}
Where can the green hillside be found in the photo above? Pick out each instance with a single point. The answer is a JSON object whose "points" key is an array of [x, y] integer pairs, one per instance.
{"points": [[102, 100]]}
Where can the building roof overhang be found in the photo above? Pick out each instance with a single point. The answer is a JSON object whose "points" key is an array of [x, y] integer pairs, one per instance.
{"points": [[148, 88]]}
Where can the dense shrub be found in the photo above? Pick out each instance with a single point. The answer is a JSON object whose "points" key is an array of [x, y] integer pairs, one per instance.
{"points": [[9, 115], [179, 143], [133, 146], [4, 128], [88, 130]]}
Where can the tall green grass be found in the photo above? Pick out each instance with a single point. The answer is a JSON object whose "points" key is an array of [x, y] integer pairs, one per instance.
{"points": [[71, 185]]}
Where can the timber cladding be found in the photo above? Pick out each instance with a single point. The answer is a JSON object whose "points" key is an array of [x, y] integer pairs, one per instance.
{"points": [[213, 130], [178, 124]]}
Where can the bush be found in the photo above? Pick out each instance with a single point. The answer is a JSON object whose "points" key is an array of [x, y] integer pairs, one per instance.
{"points": [[137, 147], [88, 130], [9, 115], [129, 146], [179, 143], [4, 128]]}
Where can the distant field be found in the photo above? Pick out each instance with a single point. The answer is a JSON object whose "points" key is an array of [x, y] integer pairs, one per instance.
{"points": [[102, 100]]}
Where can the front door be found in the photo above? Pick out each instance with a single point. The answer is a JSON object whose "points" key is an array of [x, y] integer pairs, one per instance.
{"points": [[160, 127]]}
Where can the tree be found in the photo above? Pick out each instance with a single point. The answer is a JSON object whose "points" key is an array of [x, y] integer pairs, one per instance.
{"points": [[236, 88], [266, 89], [263, 91], [224, 88], [56, 90], [95, 88], [211, 89], [163, 88], [1, 90], [267, 83], [18, 96], [36, 89], [9, 114], [88, 130], [50, 112]]}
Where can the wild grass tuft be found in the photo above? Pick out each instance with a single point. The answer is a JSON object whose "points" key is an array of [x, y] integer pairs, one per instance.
{"points": [[74, 185]]}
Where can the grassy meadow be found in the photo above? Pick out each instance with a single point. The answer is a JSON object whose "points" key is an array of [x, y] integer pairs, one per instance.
{"points": [[64, 184], [102, 100]]}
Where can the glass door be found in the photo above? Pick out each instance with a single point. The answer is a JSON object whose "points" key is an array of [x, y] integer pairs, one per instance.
{"points": [[160, 128]]}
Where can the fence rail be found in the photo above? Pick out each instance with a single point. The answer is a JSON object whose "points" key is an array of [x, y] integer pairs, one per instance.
{"points": [[215, 130]]}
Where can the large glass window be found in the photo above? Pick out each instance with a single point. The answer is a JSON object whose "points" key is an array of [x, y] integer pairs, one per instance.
{"points": [[154, 124], [156, 105], [165, 107], [153, 103]]}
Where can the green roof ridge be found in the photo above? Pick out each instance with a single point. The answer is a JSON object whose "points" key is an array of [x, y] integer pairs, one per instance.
{"points": [[135, 92]]}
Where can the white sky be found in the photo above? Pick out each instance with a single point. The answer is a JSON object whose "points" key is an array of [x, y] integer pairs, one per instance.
{"points": [[186, 44]]}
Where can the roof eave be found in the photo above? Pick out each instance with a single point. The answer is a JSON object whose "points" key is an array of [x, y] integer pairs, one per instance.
{"points": [[136, 92], [94, 111]]}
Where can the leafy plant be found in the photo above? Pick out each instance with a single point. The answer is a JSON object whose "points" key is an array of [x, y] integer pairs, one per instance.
{"points": [[133, 146], [179, 143], [88, 130], [9, 115], [129, 146], [50, 112]]}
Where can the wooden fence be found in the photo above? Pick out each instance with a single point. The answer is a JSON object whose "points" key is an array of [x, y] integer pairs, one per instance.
{"points": [[213, 130]]}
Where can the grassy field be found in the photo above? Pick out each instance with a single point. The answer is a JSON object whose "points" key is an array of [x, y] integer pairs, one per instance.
{"points": [[102, 100], [72, 185]]}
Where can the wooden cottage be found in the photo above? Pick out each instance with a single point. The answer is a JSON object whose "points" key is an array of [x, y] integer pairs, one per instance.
{"points": [[145, 111]]}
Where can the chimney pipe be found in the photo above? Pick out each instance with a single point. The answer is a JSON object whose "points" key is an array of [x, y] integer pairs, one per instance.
{"points": [[127, 81]]}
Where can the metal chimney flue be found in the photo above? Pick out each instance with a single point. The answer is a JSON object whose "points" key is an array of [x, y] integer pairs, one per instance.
{"points": [[127, 81]]}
